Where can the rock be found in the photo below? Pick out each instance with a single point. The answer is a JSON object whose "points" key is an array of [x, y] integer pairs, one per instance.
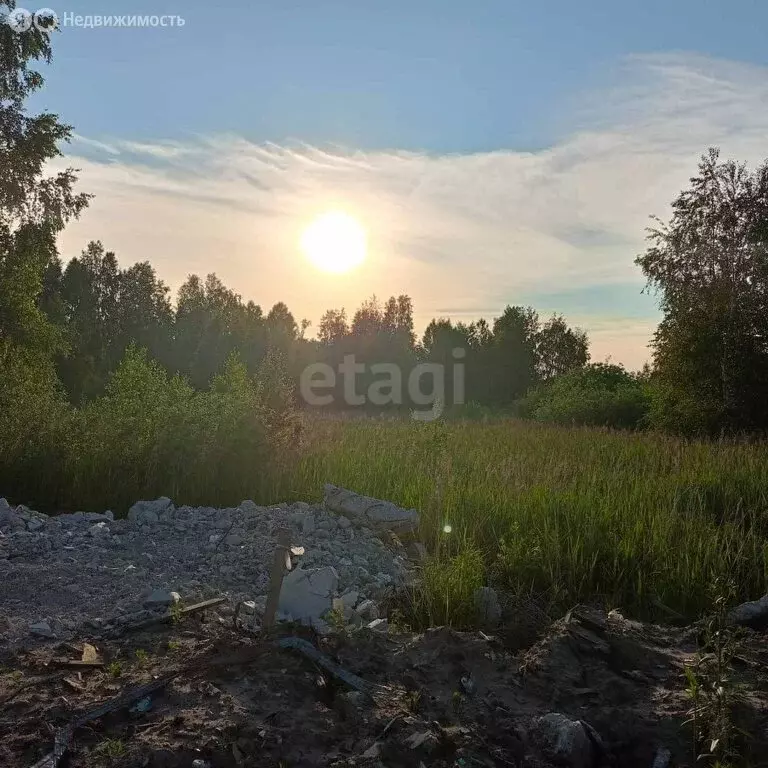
{"points": [[349, 598], [35, 524], [248, 607], [345, 522], [368, 610], [160, 597], [308, 594], [9, 520], [99, 529], [248, 507], [425, 741], [96, 517], [148, 512], [321, 626], [379, 625], [233, 540], [350, 704], [41, 629], [222, 523], [417, 552], [366, 509], [753, 614], [374, 751], [308, 524], [662, 758], [73, 520], [487, 607], [564, 741], [23, 543]]}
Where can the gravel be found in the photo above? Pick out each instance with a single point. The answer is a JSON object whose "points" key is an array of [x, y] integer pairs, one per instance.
{"points": [[88, 570]]}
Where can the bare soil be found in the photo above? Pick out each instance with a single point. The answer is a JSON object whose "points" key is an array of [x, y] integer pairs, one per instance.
{"points": [[443, 698]]}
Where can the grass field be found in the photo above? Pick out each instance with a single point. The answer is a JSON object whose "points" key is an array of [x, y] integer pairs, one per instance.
{"points": [[633, 520]]}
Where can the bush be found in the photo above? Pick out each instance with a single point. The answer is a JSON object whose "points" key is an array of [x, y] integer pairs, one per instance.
{"points": [[152, 434], [599, 394], [673, 409]]}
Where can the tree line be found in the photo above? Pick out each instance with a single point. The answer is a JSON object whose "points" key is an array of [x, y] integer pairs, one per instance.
{"points": [[66, 329], [99, 310]]}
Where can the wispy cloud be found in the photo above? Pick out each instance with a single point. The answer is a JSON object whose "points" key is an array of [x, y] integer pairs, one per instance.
{"points": [[459, 231]]}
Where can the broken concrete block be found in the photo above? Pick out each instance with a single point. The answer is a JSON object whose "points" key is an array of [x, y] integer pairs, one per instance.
{"points": [[374, 751], [752, 614], [159, 597], [41, 629], [379, 625], [426, 741], [383, 514], [149, 512], [368, 610], [307, 594], [99, 529], [564, 741]]}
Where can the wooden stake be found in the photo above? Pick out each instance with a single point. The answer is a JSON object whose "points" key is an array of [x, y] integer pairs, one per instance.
{"points": [[282, 555]]}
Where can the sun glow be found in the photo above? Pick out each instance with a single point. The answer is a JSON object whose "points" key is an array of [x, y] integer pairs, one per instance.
{"points": [[335, 242]]}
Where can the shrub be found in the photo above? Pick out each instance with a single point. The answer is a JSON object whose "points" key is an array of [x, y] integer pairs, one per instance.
{"points": [[152, 434], [679, 411], [599, 394], [34, 414]]}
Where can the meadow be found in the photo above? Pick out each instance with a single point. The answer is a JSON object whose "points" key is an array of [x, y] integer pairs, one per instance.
{"points": [[638, 520], [645, 522]]}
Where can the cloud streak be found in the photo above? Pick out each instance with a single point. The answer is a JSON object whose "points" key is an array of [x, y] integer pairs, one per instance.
{"points": [[460, 231]]}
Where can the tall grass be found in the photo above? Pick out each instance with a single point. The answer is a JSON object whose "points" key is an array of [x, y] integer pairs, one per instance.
{"points": [[635, 520], [576, 514]]}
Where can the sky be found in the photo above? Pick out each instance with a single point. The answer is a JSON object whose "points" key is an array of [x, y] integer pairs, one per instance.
{"points": [[497, 152]]}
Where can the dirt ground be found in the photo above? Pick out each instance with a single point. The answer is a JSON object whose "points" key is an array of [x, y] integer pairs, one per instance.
{"points": [[441, 698]]}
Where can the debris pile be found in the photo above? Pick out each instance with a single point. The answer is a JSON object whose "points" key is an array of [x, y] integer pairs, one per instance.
{"points": [[63, 573], [596, 691], [150, 642]]}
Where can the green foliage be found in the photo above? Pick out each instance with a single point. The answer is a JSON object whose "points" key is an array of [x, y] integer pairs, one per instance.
{"points": [[151, 434], [34, 208], [449, 582], [711, 687], [115, 669], [35, 422], [599, 394], [634, 518], [709, 267], [111, 749]]}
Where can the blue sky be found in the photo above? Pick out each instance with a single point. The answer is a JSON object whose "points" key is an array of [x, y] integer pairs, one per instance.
{"points": [[497, 151]]}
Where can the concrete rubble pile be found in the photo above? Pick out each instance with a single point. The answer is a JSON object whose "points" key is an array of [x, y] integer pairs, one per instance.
{"points": [[64, 572]]}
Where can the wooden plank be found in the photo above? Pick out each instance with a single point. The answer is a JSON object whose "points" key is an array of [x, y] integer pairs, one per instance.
{"points": [[282, 553], [173, 615]]}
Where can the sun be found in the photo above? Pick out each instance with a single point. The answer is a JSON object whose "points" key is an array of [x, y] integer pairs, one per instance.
{"points": [[335, 242]]}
